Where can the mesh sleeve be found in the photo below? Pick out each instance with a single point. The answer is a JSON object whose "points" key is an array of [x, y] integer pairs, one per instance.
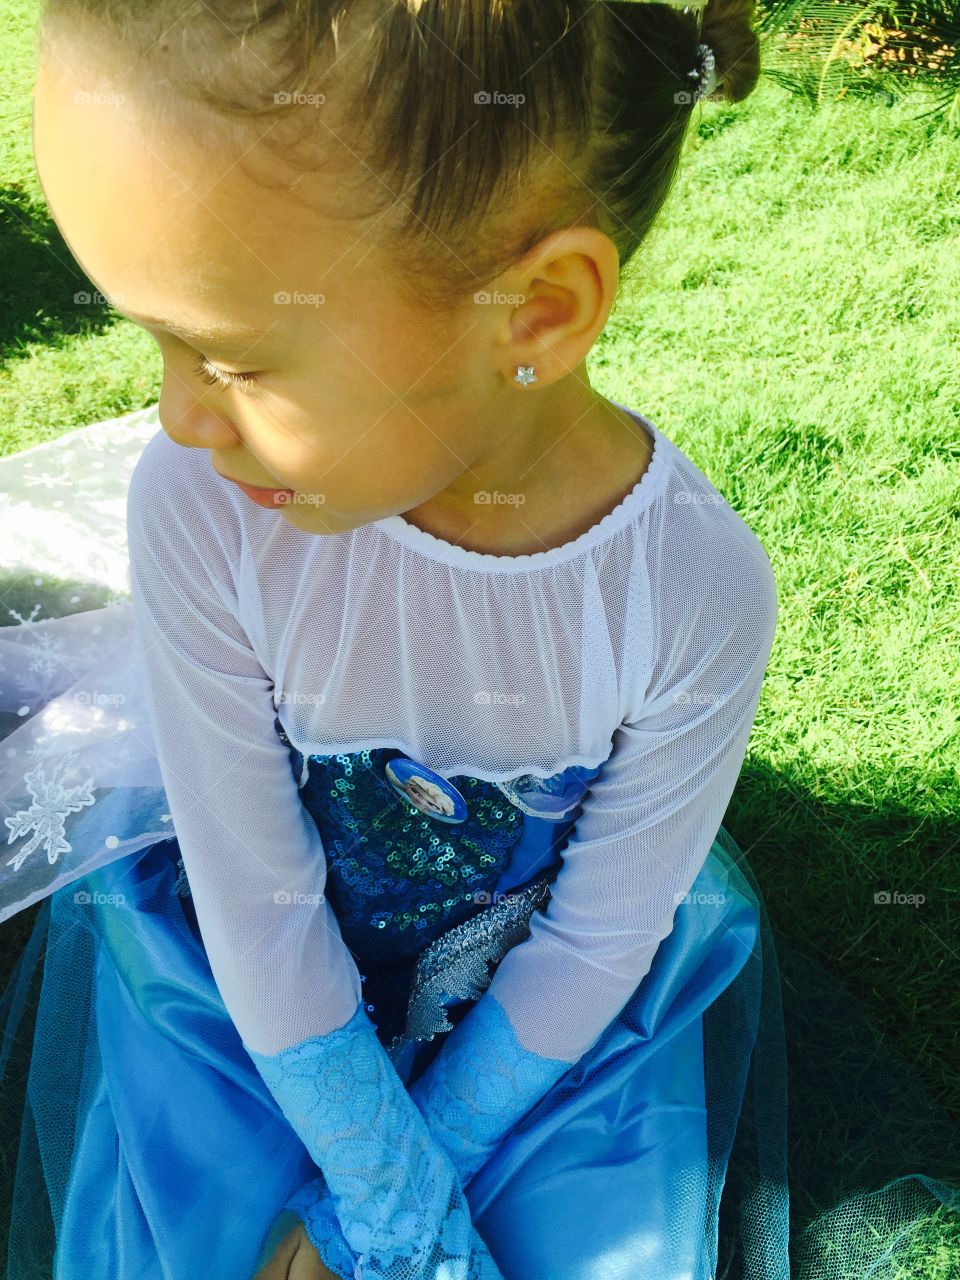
{"points": [[644, 833], [256, 867], [252, 853]]}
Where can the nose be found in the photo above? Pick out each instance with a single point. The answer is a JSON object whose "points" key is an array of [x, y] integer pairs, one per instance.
{"points": [[188, 421]]}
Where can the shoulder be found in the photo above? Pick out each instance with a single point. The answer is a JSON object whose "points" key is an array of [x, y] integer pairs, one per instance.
{"points": [[706, 554], [710, 593]]}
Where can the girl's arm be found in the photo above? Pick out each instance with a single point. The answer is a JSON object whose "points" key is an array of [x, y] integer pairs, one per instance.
{"points": [[256, 867], [646, 827]]}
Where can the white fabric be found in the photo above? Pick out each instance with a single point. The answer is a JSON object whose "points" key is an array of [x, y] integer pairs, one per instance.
{"points": [[643, 643], [73, 714], [63, 503]]}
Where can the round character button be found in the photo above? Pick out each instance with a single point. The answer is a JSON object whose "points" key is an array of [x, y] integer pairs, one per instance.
{"points": [[426, 790]]}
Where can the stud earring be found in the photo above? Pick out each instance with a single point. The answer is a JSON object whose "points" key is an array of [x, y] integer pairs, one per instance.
{"points": [[525, 375]]}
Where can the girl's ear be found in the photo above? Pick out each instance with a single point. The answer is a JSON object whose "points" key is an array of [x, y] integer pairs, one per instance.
{"points": [[565, 287]]}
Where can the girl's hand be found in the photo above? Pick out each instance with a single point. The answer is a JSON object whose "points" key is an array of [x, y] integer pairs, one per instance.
{"points": [[295, 1258]]}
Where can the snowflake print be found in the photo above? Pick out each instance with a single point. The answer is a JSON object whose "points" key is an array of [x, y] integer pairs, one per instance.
{"points": [[46, 479], [46, 648], [45, 655], [52, 802], [19, 616]]}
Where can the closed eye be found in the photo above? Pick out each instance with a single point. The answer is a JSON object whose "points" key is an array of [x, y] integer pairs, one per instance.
{"points": [[212, 376]]}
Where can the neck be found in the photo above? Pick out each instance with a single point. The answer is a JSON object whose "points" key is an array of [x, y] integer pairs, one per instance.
{"points": [[562, 460]]}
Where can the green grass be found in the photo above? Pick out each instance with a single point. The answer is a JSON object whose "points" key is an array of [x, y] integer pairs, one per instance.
{"points": [[794, 327]]}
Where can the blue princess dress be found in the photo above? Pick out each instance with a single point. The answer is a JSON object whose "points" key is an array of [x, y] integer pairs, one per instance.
{"points": [[384, 888]]}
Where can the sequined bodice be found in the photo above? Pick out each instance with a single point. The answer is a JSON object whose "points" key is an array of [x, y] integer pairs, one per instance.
{"points": [[396, 878], [400, 876]]}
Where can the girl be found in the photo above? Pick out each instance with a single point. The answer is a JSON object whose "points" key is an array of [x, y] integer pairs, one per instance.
{"points": [[430, 957]]}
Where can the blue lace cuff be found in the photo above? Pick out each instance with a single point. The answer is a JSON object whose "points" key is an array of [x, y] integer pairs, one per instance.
{"points": [[480, 1083], [394, 1192], [314, 1205]]}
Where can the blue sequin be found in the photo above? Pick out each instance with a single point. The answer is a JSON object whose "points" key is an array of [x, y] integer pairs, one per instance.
{"points": [[389, 882]]}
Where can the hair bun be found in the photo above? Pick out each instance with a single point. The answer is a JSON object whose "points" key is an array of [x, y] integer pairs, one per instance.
{"points": [[727, 29]]}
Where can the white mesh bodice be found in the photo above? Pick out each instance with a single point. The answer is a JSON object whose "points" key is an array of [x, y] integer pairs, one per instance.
{"points": [[642, 643]]}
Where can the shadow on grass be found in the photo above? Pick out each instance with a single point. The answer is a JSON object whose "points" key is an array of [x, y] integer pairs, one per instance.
{"points": [[866, 891], [45, 296]]}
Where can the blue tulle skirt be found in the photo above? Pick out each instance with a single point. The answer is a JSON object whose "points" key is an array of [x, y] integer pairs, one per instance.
{"points": [[162, 1154]]}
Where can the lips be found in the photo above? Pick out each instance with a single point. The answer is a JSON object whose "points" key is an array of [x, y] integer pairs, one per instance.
{"points": [[256, 491], [264, 497]]}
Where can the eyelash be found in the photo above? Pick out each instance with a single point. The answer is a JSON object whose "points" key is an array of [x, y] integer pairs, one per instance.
{"points": [[213, 376]]}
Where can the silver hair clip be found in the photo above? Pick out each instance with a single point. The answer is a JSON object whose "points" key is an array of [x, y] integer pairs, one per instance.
{"points": [[705, 72]]}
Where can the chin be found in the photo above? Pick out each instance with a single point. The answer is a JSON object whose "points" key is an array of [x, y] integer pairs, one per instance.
{"points": [[315, 520]]}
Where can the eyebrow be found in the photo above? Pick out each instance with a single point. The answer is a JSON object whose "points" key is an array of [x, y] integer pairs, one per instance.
{"points": [[202, 336]]}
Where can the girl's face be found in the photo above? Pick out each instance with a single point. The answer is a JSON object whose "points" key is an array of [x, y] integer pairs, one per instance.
{"points": [[361, 406]]}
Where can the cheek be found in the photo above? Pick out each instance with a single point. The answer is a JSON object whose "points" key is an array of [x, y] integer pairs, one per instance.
{"points": [[390, 467], [324, 427], [418, 359], [405, 452]]}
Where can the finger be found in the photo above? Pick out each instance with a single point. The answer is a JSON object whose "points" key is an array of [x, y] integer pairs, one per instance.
{"points": [[278, 1265], [308, 1265]]}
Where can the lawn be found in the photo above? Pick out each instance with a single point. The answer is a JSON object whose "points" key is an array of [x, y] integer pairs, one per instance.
{"points": [[794, 327]]}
